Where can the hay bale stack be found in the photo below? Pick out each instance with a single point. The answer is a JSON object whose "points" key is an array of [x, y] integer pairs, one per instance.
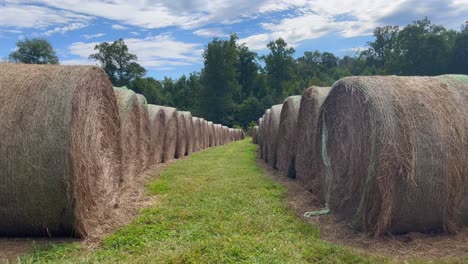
{"points": [[287, 136], [130, 117], [181, 136], [60, 149], [212, 134], [272, 134], [157, 124], [143, 133], [395, 150], [307, 165], [171, 133], [189, 132], [255, 135]]}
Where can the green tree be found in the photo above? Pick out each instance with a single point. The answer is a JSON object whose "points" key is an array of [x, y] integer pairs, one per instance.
{"points": [[150, 88], [459, 61], [279, 66], [248, 70], [34, 51], [118, 63]]}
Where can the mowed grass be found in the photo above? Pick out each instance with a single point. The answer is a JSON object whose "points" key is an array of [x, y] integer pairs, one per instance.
{"points": [[216, 206]]}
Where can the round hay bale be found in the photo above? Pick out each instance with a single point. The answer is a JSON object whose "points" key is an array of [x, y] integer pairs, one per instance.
{"points": [[157, 123], [143, 133], [259, 133], [265, 140], [287, 135], [202, 139], [181, 136], [189, 132], [170, 133], [197, 134], [307, 160], [60, 149], [272, 134], [212, 135], [255, 135], [217, 137], [394, 150], [130, 117]]}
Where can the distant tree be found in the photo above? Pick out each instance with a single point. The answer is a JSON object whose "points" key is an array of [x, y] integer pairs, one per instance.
{"points": [[248, 70], [384, 43], [34, 51], [150, 88], [118, 63]]}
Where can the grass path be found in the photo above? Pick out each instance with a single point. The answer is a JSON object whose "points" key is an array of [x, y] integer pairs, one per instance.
{"points": [[217, 206]]}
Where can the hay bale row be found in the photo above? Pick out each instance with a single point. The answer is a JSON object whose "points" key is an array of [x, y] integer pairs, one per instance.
{"points": [[72, 146], [384, 154]]}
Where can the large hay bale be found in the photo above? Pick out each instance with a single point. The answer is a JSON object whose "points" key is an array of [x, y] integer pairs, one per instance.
{"points": [[60, 149], [197, 134], [259, 133], [170, 134], [307, 165], [255, 135], [189, 132], [157, 123], [212, 135], [395, 150], [217, 133], [143, 133], [272, 134], [130, 117], [287, 136], [181, 136], [265, 140]]}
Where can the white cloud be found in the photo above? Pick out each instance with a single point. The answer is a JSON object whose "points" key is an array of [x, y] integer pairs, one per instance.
{"points": [[135, 33], [93, 36], [153, 52], [119, 27], [64, 29], [210, 32]]}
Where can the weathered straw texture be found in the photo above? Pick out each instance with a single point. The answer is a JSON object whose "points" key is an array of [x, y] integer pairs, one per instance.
{"points": [[181, 136], [272, 134], [212, 135], [217, 134], [265, 140], [197, 134], [255, 135], [129, 113], [308, 161], [287, 135], [170, 134], [189, 132], [395, 150], [143, 133], [157, 124], [204, 138], [60, 149]]}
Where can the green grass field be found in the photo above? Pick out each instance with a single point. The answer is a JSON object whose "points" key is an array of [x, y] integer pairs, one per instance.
{"points": [[216, 206]]}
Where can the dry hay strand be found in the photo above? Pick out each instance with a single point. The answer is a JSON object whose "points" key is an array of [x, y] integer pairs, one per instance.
{"points": [[197, 130], [287, 135], [143, 133], [157, 123], [255, 135], [170, 134], [394, 151], [189, 132], [272, 134], [212, 134], [129, 113], [307, 164], [181, 136], [61, 150]]}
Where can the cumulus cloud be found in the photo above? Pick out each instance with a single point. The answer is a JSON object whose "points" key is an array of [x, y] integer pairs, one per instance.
{"points": [[64, 29], [153, 51]]}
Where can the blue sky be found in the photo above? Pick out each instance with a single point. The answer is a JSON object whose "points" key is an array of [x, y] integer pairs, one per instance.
{"points": [[169, 36]]}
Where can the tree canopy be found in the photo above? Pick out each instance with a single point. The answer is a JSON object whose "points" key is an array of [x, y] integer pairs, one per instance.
{"points": [[34, 51]]}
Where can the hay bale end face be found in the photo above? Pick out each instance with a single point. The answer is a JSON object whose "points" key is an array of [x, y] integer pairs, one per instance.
{"points": [[171, 133], [272, 134], [143, 133], [157, 124], [181, 136], [287, 136], [265, 140], [189, 132], [395, 151], [307, 160], [255, 135], [212, 135], [64, 120]]}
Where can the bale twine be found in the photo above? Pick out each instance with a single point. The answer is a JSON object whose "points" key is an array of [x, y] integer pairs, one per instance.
{"points": [[307, 166], [196, 134], [394, 151], [255, 135], [157, 124], [181, 136], [211, 133], [272, 134], [129, 113], [287, 136], [143, 133], [60, 149], [170, 133]]}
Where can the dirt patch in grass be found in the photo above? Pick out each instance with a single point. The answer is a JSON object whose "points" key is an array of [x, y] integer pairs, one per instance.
{"points": [[408, 246]]}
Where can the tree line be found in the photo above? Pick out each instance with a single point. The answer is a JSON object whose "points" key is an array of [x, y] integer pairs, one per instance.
{"points": [[235, 84]]}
